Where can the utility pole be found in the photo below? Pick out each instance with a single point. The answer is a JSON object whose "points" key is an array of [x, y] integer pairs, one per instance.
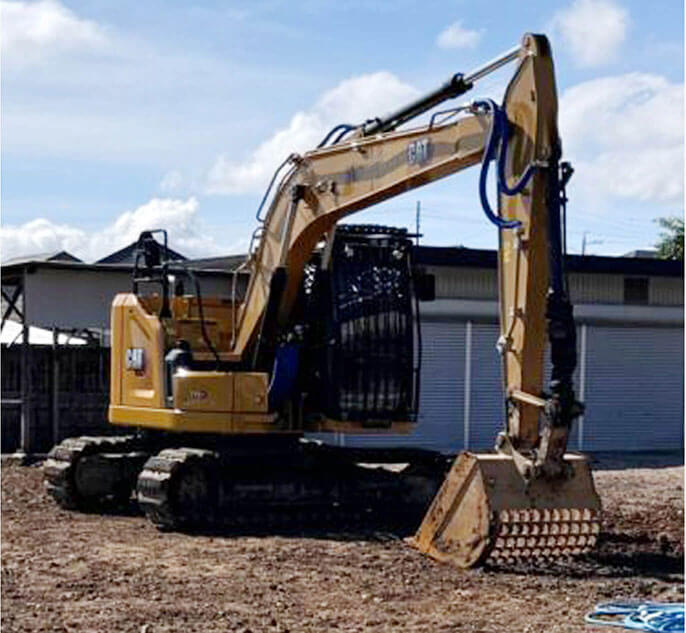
{"points": [[416, 220], [585, 242]]}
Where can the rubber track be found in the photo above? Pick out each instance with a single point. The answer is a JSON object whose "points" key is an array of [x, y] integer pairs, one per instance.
{"points": [[159, 480], [59, 467]]}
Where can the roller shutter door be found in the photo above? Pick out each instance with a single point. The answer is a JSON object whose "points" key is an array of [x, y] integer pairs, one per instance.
{"points": [[634, 389], [487, 411], [441, 397]]}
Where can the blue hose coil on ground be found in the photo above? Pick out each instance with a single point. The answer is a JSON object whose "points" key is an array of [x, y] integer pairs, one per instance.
{"points": [[652, 617]]}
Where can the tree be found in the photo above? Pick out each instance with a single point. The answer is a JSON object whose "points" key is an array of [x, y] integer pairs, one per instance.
{"points": [[671, 244]]}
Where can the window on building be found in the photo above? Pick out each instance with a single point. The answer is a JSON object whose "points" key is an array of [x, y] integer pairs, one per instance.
{"points": [[636, 290]]}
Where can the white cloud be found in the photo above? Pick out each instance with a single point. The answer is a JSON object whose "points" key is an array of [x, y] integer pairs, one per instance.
{"points": [[352, 101], [31, 30], [178, 217], [77, 89], [39, 236], [171, 181], [625, 136], [457, 36], [594, 30]]}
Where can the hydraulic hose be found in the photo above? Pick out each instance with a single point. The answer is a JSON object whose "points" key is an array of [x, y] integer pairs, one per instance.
{"points": [[496, 149], [490, 153], [651, 617], [343, 127]]}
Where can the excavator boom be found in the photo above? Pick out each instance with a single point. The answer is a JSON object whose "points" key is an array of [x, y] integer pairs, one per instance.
{"points": [[326, 185]]}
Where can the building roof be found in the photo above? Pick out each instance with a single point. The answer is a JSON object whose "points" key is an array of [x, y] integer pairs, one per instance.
{"points": [[426, 255], [645, 253], [225, 262], [127, 254], [480, 258], [53, 256], [15, 269]]}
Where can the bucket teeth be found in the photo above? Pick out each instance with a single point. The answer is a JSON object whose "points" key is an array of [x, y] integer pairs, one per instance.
{"points": [[543, 534], [485, 511]]}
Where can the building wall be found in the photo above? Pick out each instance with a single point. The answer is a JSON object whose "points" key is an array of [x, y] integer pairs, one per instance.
{"points": [[631, 380], [72, 298], [482, 283], [634, 388], [81, 298], [666, 291], [630, 373]]}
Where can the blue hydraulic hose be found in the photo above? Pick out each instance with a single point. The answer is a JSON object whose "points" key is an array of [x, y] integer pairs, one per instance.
{"points": [[345, 127], [502, 158], [496, 149], [650, 617], [494, 137]]}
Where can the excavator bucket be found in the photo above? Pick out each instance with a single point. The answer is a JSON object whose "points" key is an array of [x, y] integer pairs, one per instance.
{"points": [[485, 511]]}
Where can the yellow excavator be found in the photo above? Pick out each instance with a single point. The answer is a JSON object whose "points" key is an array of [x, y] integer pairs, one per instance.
{"points": [[220, 391]]}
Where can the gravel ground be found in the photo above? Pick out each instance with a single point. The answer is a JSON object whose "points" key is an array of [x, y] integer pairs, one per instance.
{"points": [[64, 571]]}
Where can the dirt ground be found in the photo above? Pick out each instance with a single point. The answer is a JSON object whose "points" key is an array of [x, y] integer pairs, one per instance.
{"points": [[63, 571]]}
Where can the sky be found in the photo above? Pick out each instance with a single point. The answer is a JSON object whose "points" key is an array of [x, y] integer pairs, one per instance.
{"points": [[123, 116]]}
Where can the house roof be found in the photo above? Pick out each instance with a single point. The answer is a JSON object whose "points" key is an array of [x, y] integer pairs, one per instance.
{"points": [[127, 254], [15, 269], [53, 256], [226, 262]]}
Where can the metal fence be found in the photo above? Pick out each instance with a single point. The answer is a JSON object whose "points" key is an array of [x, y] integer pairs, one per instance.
{"points": [[67, 395]]}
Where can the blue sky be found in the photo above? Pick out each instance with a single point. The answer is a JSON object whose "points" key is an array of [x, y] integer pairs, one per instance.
{"points": [[119, 116]]}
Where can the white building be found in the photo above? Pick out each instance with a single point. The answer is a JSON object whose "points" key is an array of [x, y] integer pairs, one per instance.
{"points": [[630, 320]]}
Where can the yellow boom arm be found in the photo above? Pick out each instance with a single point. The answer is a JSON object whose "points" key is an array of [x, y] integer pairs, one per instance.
{"points": [[328, 184]]}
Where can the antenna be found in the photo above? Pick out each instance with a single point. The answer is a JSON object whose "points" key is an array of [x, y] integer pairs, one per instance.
{"points": [[416, 220]]}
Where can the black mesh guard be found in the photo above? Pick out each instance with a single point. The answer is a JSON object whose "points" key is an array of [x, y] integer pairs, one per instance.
{"points": [[367, 354]]}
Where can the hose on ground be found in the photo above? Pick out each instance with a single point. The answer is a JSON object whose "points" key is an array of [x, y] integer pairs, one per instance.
{"points": [[652, 617]]}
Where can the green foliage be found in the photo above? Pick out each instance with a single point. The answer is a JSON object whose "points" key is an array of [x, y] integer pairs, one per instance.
{"points": [[671, 244]]}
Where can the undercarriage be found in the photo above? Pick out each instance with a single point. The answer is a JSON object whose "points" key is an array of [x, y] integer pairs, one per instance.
{"points": [[250, 483]]}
